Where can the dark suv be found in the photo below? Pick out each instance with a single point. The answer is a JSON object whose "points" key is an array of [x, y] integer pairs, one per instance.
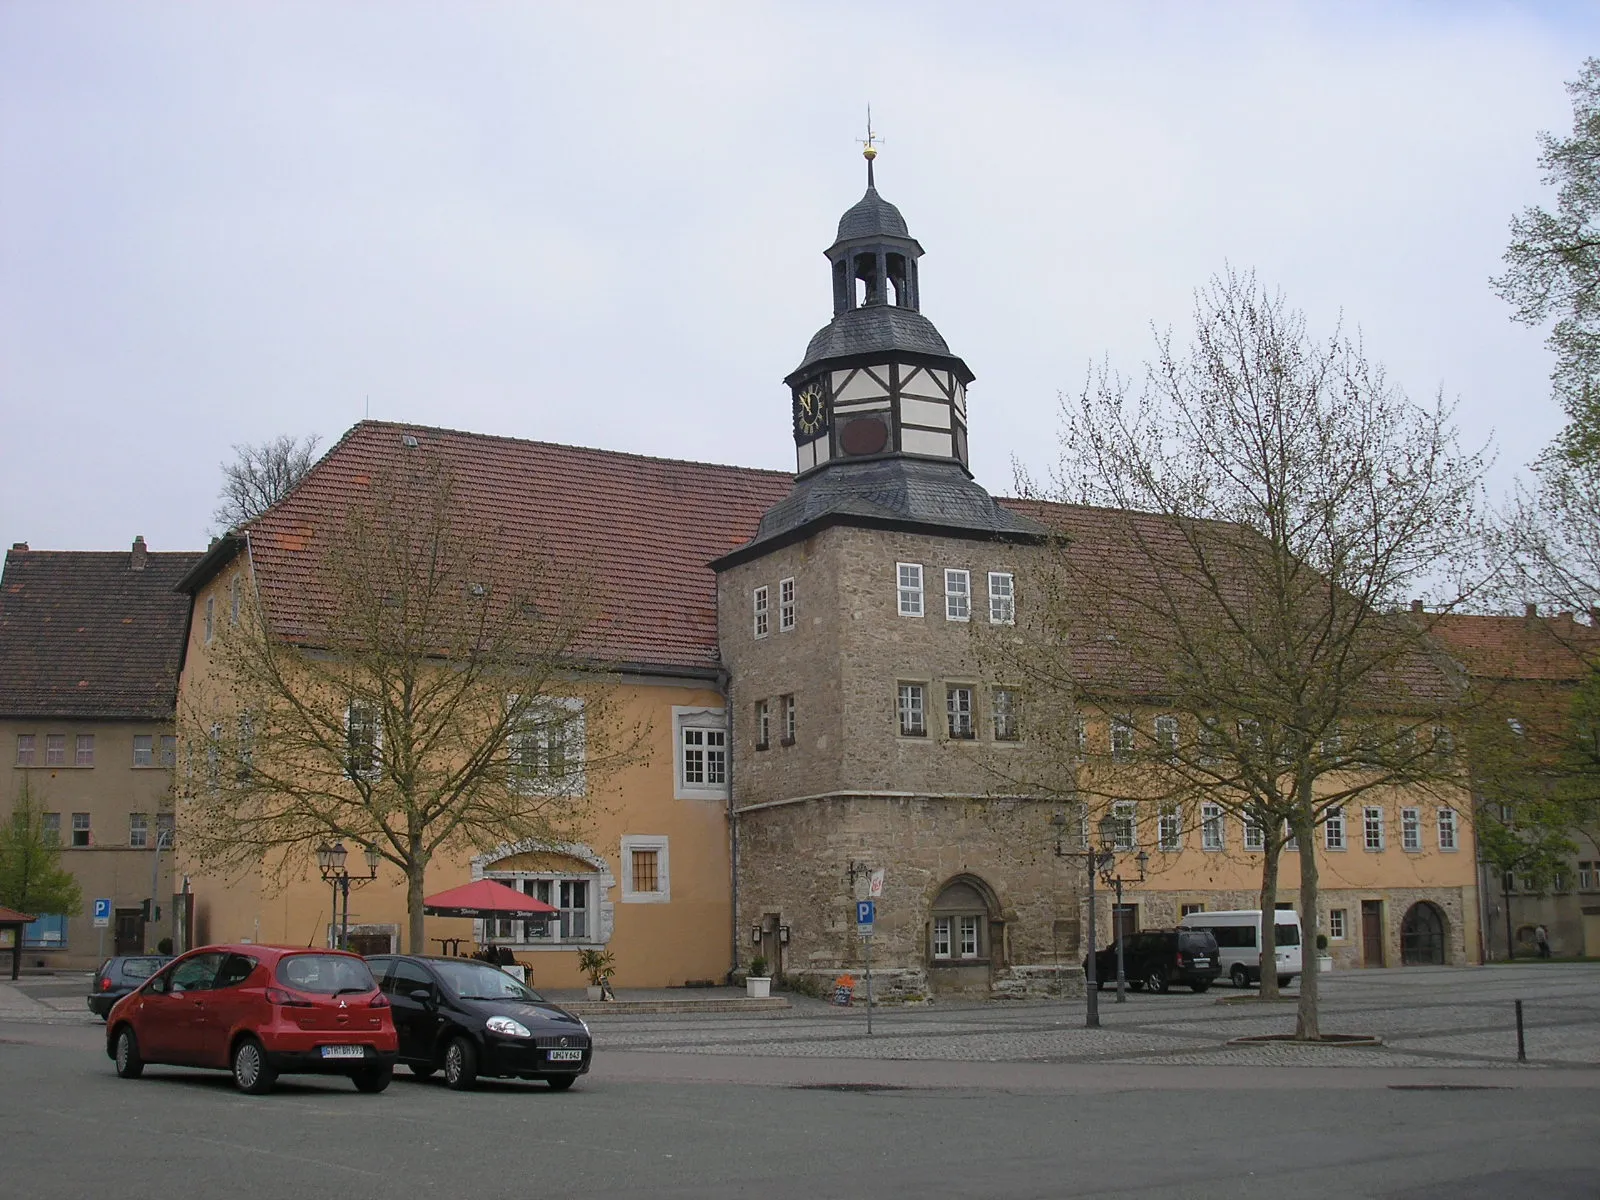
{"points": [[1158, 958]]}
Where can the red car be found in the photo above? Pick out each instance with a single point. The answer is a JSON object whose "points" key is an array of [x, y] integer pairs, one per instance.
{"points": [[259, 1011]]}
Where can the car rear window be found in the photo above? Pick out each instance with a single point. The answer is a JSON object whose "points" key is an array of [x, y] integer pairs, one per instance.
{"points": [[1195, 941], [141, 968], [1286, 935], [324, 974]]}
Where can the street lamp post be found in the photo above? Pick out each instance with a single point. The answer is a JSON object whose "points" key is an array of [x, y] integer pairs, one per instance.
{"points": [[330, 862], [1109, 829], [1092, 858]]}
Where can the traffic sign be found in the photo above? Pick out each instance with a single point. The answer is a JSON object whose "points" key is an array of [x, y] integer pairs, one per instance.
{"points": [[875, 887], [102, 913], [866, 912]]}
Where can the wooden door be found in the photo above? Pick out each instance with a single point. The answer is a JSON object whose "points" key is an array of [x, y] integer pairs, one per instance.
{"points": [[1372, 933], [130, 931], [1124, 920]]}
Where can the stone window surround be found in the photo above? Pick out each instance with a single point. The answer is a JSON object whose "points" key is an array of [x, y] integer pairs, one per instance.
{"points": [[1411, 830], [787, 605], [696, 717], [911, 696], [1338, 925], [1333, 831], [658, 843], [601, 906], [1449, 831], [957, 594], [760, 613], [909, 589]]}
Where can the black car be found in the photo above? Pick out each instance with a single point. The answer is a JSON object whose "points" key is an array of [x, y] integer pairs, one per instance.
{"points": [[1157, 958], [467, 1018], [119, 976]]}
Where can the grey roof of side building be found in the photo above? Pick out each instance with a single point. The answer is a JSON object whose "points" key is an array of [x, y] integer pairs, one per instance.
{"points": [[877, 329], [84, 635], [871, 216], [895, 492]]}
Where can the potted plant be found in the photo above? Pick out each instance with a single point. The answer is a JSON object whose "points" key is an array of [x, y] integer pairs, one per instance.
{"points": [[596, 964], [758, 984], [1324, 959]]}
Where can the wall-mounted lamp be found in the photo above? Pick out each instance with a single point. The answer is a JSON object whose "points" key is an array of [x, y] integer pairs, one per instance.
{"points": [[783, 935]]}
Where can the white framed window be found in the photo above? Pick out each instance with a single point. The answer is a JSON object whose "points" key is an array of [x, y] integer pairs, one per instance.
{"points": [[1211, 831], [702, 753], [1185, 910], [169, 749], [50, 825], [1336, 925], [1167, 737], [958, 713], [1169, 832], [1410, 829], [25, 749], [913, 710], [1255, 833], [55, 749], [1003, 706], [144, 750], [1125, 835], [1209, 740], [645, 875], [1333, 829], [138, 830], [909, 576], [210, 619], [969, 937], [1121, 739], [575, 897], [165, 829], [788, 720], [363, 741], [758, 606], [1447, 830], [1586, 875], [1002, 598], [83, 750], [941, 936], [1290, 843], [786, 605], [1372, 828], [763, 724], [1080, 734], [957, 595], [81, 834], [234, 589], [545, 752]]}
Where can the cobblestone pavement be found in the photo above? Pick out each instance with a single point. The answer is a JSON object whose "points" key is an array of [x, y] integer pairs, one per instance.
{"points": [[1427, 1017]]}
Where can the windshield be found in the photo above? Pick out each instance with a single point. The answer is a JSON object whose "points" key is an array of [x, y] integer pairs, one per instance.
{"points": [[325, 974], [141, 968], [1286, 935], [479, 981]]}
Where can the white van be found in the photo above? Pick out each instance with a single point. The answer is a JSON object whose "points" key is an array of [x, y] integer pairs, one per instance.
{"points": [[1238, 934]]}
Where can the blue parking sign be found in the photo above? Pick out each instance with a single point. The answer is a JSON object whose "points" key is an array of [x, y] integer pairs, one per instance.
{"points": [[866, 912], [102, 912]]}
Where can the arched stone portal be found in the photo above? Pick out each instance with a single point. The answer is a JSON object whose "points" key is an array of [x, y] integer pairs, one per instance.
{"points": [[1422, 936], [965, 937]]}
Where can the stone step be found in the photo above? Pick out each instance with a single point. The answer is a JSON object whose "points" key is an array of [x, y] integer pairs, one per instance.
{"points": [[620, 1008]]}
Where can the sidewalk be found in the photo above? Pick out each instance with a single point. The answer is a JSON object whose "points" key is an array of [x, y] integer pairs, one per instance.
{"points": [[647, 1001]]}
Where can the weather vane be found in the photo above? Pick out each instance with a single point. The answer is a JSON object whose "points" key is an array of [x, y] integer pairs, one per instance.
{"points": [[869, 146]]}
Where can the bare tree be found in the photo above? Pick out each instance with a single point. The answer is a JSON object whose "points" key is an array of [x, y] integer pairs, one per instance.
{"points": [[1267, 502], [439, 701], [261, 474]]}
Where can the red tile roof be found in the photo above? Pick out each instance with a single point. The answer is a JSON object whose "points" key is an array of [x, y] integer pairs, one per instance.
{"points": [[10, 916], [84, 635], [643, 529], [1551, 649]]}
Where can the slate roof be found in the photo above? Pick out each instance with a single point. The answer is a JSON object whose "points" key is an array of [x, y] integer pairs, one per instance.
{"points": [[83, 635], [1545, 649], [641, 528], [890, 492], [871, 216], [876, 329]]}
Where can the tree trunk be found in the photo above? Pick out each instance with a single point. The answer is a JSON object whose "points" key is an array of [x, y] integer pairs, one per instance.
{"points": [[1511, 945], [415, 872], [1307, 1027], [1269, 905]]}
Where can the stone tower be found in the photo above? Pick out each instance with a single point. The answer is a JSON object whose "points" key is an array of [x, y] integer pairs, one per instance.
{"points": [[862, 735]]}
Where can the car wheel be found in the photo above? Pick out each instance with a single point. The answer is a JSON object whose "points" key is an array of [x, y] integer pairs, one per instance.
{"points": [[1285, 980], [129, 1064], [560, 1083], [1197, 988], [251, 1071], [422, 1070], [373, 1079], [1155, 982], [461, 1064], [1240, 977]]}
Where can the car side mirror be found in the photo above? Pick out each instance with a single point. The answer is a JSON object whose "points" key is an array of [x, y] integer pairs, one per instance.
{"points": [[421, 995]]}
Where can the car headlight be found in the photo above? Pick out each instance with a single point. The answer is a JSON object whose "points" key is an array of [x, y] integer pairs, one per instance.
{"points": [[585, 1025], [508, 1027]]}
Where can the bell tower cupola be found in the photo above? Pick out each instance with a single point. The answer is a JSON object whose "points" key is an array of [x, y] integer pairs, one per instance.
{"points": [[878, 381]]}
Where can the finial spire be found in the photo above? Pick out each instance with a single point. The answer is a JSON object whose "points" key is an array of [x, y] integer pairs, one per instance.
{"points": [[869, 148]]}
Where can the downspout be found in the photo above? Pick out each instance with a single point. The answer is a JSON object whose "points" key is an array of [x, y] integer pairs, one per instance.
{"points": [[725, 686]]}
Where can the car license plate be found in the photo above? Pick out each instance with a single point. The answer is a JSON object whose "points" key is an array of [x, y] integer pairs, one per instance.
{"points": [[1202, 962], [344, 1052], [566, 1056]]}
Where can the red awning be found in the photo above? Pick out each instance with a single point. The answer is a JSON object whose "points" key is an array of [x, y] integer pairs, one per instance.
{"points": [[10, 916], [485, 898]]}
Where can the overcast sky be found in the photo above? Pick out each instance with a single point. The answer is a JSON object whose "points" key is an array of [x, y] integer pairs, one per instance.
{"points": [[603, 223]]}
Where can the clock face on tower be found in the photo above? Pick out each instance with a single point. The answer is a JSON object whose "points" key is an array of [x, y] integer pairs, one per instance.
{"points": [[810, 410]]}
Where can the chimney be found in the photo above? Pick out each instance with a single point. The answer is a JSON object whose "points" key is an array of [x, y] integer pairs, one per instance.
{"points": [[1594, 613], [1416, 607], [1564, 618], [1530, 610], [136, 562], [19, 545]]}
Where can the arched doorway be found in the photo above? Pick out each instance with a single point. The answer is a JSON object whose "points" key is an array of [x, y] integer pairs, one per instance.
{"points": [[1422, 935], [962, 931]]}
